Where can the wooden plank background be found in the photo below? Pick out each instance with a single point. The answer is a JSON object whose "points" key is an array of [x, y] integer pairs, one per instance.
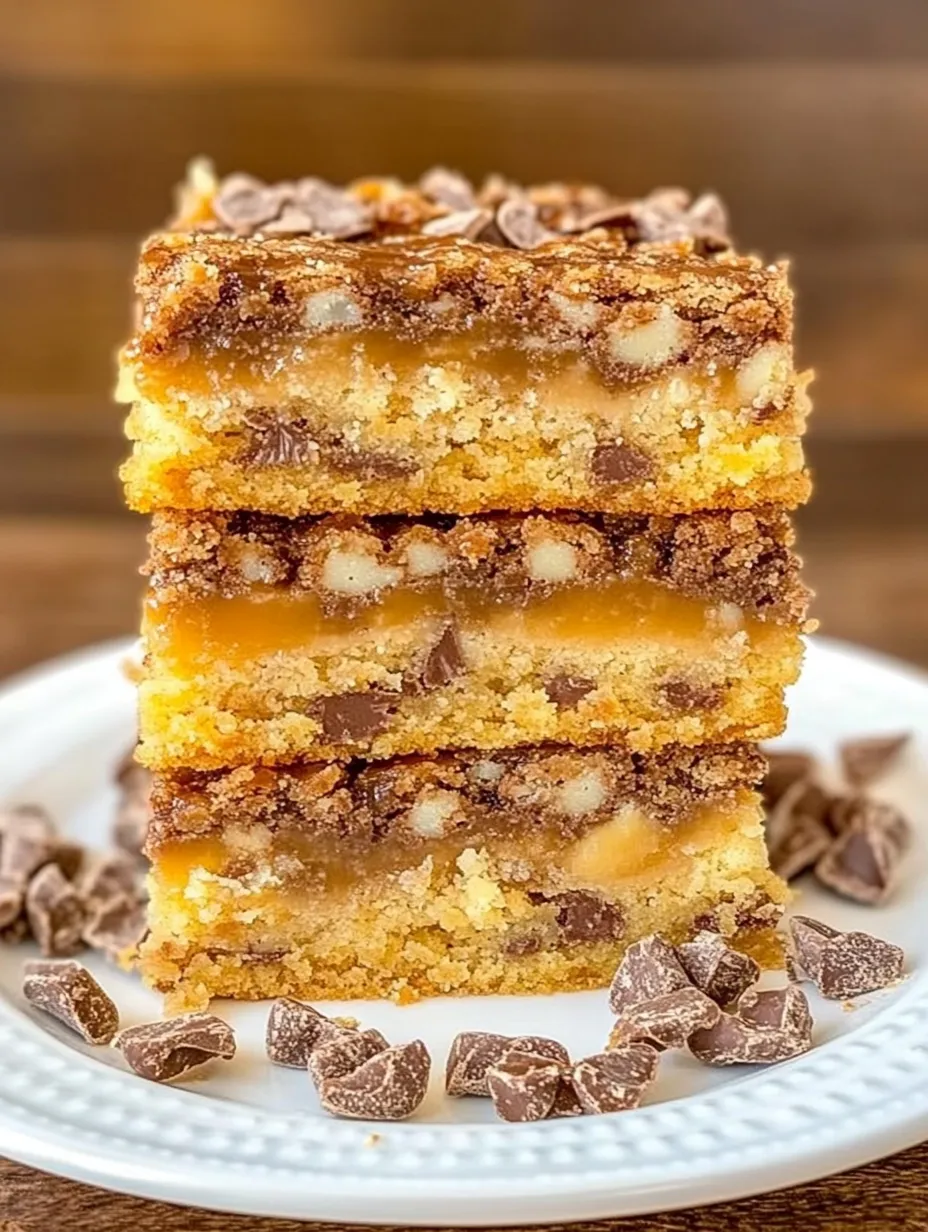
{"points": [[809, 118]]}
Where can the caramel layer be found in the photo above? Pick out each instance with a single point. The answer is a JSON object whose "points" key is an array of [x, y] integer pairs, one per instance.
{"points": [[242, 627]]}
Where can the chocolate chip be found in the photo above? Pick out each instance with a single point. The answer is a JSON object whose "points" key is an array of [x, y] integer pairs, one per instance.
{"points": [[12, 900], [784, 768], [112, 875], [56, 912], [782, 1009], [524, 1086], [470, 224], [617, 463], [614, 1081], [335, 213], [666, 1021], [357, 716], [368, 463], [540, 1046], [445, 660], [68, 992], [519, 224], [242, 203], [447, 188], [471, 1055], [277, 442], [130, 827], [27, 841], [293, 1030], [585, 917], [688, 696], [390, 1086], [735, 1041], [842, 965], [863, 861], [868, 758], [340, 1050], [164, 1050], [116, 926], [795, 829], [716, 969], [649, 969], [293, 220], [567, 691]]}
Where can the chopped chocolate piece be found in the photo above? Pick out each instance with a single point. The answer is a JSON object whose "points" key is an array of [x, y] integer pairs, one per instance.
{"points": [[368, 463], [540, 1046], [335, 213], [134, 812], [12, 899], [340, 1050], [783, 1009], [27, 841], [277, 442], [615, 1081], [524, 1086], [113, 875], [666, 1021], [447, 188], [863, 861], [519, 224], [70, 858], [243, 203], [566, 691], [735, 1041], [868, 758], [649, 969], [795, 829], [688, 696], [617, 463], [468, 223], [357, 716], [471, 1055], [389, 1086], [566, 1102], [585, 917], [292, 221], [165, 1050], [67, 991], [842, 965], [56, 912], [715, 968], [784, 768], [445, 660], [116, 925], [293, 1030]]}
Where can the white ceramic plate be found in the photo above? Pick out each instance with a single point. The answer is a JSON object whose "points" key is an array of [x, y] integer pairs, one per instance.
{"points": [[250, 1137]]}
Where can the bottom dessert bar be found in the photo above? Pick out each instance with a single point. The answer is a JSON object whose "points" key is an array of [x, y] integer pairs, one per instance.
{"points": [[525, 872]]}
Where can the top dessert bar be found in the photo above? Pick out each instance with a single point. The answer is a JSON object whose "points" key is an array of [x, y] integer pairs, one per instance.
{"points": [[382, 348]]}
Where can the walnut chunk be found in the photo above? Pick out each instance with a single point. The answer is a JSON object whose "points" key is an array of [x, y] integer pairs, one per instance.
{"points": [[764, 377], [650, 344], [347, 572], [552, 560]]}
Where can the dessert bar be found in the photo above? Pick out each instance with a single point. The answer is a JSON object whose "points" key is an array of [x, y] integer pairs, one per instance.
{"points": [[269, 639], [519, 872], [396, 349]]}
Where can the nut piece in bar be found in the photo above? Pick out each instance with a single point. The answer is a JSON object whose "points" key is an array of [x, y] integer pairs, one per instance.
{"points": [[666, 1021], [67, 991], [388, 1086], [797, 829], [341, 1050], [716, 969], [293, 1031], [56, 912], [164, 1050], [524, 1086], [863, 861], [615, 1081], [870, 757], [843, 965], [649, 969], [472, 1053], [767, 1026], [785, 767]]}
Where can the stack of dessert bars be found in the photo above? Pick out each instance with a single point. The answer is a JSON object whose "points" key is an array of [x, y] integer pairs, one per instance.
{"points": [[471, 582]]}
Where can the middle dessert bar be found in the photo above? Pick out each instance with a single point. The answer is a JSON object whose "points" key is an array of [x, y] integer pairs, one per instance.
{"points": [[269, 640]]}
